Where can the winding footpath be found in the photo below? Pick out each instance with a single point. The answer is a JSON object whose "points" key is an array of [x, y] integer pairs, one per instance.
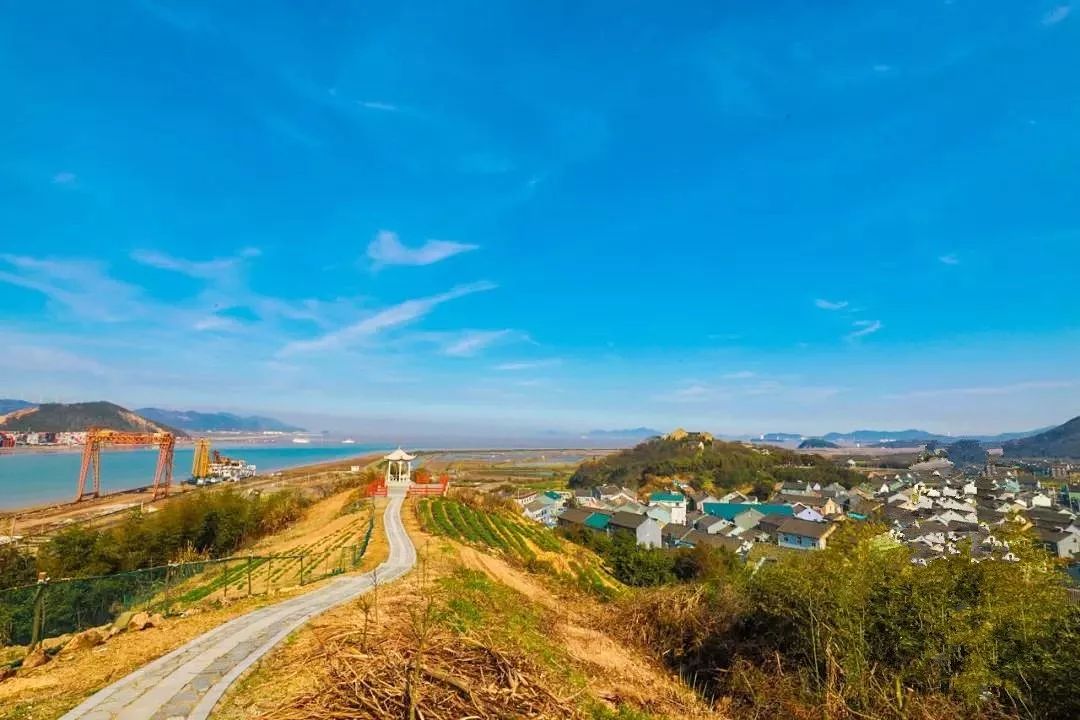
{"points": [[189, 681]]}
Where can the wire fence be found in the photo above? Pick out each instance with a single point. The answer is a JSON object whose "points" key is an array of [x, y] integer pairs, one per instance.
{"points": [[49, 608]]}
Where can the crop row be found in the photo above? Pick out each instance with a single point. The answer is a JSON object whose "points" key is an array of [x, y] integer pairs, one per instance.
{"points": [[490, 529]]}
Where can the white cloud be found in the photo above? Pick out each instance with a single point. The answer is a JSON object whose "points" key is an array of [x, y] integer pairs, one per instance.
{"points": [[386, 249], [526, 365], [1056, 15], [741, 375], [950, 259], [473, 341], [865, 327], [378, 105], [82, 286], [393, 316], [988, 390], [216, 323], [65, 177], [203, 269], [830, 304], [693, 392]]}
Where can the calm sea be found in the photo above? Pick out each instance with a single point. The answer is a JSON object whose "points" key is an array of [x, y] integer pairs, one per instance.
{"points": [[32, 478]]}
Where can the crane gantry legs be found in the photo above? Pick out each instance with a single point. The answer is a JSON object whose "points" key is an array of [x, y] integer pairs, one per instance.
{"points": [[91, 459]]}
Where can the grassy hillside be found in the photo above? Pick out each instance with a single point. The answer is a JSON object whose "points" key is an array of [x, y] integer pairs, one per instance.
{"points": [[710, 465], [75, 417], [1060, 442]]}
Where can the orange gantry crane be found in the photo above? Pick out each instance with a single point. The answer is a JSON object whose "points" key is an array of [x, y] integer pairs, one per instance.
{"points": [[91, 458]]}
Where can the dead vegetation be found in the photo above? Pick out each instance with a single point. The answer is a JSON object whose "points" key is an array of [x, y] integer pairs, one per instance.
{"points": [[444, 677]]}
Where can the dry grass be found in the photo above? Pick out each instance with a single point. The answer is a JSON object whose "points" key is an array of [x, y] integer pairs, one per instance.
{"points": [[50, 690], [537, 650]]}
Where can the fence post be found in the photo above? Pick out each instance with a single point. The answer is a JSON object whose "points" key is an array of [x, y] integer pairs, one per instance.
{"points": [[225, 578], [269, 573], [39, 610], [302, 568], [168, 584], [249, 575]]}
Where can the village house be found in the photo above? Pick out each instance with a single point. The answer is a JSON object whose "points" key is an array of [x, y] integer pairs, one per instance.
{"points": [[672, 534], [614, 493], [573, 517], [697, 498], [660, 513], [804, 535], [675, 503], [645, 530]]}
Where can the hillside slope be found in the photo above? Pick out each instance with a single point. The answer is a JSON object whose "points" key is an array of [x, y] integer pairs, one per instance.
{"points": [[194, 421], [470, 633], [1060, 442], [75, 417]]}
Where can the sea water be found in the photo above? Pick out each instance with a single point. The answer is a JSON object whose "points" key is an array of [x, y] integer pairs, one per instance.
{"points": [[36, 478]]}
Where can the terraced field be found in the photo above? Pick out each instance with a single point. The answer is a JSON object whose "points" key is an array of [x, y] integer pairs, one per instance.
{"points": [[520, 540]]}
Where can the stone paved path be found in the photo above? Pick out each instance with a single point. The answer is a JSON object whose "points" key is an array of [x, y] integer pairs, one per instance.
{"points": [[189, 681]]}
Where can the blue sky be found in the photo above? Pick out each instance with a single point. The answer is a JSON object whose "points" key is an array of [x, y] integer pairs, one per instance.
{"points": [[497, 218]]}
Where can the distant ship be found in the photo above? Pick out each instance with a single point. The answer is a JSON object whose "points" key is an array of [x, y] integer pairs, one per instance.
{"points": [[350, 441], [301, 441]]}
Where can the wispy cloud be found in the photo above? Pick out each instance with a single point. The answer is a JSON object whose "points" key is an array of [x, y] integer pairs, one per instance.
{"points": [[473, 341], [1056, 15], [527, 365], [824, 304], [950, 259], [202, 269], [83, 286], [693, 393], [22, 358], [393, 316], [387, 249], [378, 105], [864, 328], [740, 375], [65, 177], [214, 322], [986, 390]]}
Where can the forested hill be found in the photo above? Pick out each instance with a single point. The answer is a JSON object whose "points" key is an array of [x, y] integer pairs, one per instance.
{"points": [[710, 465], [1060, 442], [75, 417]]}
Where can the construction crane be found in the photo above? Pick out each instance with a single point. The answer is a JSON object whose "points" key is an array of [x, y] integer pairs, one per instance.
{"points": [[96, 438], [200, 463]]}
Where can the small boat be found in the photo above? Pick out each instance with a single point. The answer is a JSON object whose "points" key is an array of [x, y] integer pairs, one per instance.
{"points": [[350, 441], [301, 441]]}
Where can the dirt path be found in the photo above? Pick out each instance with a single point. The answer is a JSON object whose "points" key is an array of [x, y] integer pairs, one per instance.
{"points": [[188, 682]]}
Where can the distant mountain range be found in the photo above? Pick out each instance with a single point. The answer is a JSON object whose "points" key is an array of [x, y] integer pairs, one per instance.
{"points": [[75, 417], [207, 422], [8, 405], [1060, 442], [900, 437]]}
